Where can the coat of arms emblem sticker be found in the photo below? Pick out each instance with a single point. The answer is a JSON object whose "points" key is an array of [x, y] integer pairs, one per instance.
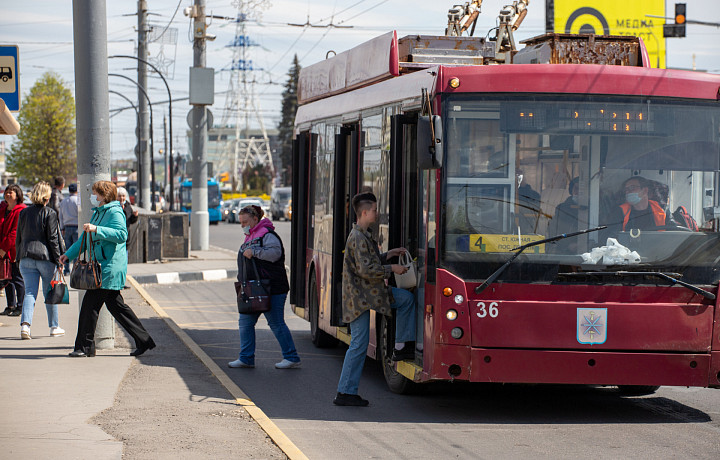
{"points": [[592, 325]]}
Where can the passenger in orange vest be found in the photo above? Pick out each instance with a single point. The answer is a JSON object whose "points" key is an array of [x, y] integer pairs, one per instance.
{"points": [[638, 211]]}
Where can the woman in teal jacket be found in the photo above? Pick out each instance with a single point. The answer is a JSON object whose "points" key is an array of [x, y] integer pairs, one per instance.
{"points": [[109, 233]]}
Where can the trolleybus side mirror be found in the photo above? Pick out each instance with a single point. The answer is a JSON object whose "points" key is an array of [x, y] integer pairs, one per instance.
{"points": [[429, 142]]}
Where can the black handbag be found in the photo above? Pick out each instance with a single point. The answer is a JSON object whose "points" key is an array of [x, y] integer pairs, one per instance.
{"points": [[58, 292], [253, 296], [86, 272]]}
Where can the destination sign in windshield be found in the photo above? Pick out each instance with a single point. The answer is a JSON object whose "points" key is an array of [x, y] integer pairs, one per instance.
{"points": [[582, 119]]}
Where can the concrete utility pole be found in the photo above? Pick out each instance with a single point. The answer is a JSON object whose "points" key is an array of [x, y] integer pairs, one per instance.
{"points": [[144, 129], [199, 218], [92, 120], [165, 157]]}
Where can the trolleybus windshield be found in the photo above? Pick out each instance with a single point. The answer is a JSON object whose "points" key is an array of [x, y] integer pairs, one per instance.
{"points": [[521, 168]]}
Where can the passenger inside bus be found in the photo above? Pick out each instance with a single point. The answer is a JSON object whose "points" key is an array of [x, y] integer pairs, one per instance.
{"points": [[566, 219], [528, 205]]}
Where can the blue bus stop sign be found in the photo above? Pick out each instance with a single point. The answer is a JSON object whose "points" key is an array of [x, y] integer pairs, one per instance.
{"points": [[9, 78]]}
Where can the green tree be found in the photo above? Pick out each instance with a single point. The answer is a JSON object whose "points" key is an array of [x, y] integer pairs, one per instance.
{"points": [[45, 146], [287, 122]]}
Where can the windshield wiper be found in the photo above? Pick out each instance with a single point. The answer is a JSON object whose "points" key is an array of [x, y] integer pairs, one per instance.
{"points": [[665, 276], [520, 249]]}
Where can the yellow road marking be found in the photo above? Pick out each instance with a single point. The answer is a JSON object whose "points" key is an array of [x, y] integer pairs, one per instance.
{"points": [[267, 425]]}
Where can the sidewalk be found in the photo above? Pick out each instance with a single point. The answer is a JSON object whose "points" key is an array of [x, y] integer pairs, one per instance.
{"points": [[211, 265], [48, 397], [115, 406]]}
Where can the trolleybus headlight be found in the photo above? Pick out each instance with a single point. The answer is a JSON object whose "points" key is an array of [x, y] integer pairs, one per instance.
{"points": [[459, 299], [447, 292], [451, 315], [456, 333], [454, 82]]}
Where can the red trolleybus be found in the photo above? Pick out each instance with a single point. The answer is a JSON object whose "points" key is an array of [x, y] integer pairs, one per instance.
{"points": [[470, 161]]}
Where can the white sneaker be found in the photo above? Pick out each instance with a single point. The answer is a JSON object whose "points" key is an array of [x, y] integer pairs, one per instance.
{"points": [[25, 332], [285, 364], [238, 363], [56, 331]]}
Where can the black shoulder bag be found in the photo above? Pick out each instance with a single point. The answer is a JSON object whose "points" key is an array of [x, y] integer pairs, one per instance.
{"points": [[253, 296], [86, 272]]}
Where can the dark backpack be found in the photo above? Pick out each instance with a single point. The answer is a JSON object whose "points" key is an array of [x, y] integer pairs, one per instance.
{"points": [[684, 218]]}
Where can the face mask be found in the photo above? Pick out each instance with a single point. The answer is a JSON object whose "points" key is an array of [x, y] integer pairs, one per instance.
{"points": [[246, 230], [94, 201], [632, 198]]}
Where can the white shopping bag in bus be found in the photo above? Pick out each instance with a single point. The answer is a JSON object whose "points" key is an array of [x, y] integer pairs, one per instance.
{"points": [[408, 279]]}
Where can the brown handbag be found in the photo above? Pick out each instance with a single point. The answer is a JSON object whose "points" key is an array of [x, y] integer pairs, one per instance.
{"points": [[86, 272]]}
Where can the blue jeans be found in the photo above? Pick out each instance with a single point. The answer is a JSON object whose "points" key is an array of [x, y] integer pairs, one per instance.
{"points": [[360, 337], [32, 271], [276, 320]]}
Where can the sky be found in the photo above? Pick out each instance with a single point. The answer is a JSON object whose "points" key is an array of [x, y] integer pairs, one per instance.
{"points": [[43, 31]]}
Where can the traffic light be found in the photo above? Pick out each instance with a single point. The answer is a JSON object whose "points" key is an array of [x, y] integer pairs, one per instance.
{"points": [[677, 29]]}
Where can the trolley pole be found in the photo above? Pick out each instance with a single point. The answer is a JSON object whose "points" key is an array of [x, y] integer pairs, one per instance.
{"points": [[92, 120], [199, 217]]}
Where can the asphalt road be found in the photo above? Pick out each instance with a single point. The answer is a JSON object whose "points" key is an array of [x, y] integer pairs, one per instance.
{"points": [[230, 236], [448, 420]]}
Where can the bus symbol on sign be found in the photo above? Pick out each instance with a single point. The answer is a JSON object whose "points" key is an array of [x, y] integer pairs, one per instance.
{"points": [[591, 325]]}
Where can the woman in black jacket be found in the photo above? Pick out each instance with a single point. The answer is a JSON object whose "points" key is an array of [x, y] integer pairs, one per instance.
{"points": [[39, 247]]}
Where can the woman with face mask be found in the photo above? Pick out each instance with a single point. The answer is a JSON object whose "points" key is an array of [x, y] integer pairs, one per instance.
{"points": [[38, 245], [109, 233], [264, 246], [131, 215]]}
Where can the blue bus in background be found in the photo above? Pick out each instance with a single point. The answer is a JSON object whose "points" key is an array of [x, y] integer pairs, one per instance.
{"points": [[214, 199]]}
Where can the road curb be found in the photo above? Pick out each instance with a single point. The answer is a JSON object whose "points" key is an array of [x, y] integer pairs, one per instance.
{"points": [[268, 426], [180, 277]]}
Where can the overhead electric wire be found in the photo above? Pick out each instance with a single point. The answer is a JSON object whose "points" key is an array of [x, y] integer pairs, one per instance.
{"points": [[342, 11], [363, 12], [177, 8]]}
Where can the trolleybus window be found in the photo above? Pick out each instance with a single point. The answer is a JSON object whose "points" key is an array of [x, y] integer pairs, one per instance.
{"points": [[524, 168]]}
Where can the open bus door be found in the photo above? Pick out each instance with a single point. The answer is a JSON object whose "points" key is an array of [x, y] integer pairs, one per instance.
{"points": [[403, 218], [346, 186], [299, 223]]}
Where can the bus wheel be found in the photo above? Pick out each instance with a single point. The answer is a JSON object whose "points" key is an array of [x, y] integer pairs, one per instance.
{"points": [[320, 338], [637, 390], [397, 382]]}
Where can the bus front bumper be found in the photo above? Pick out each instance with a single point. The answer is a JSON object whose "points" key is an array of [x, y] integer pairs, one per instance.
{"points": [[575, 367]]}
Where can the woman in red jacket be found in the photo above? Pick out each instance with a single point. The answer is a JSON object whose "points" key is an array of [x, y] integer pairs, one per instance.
{"points": [[9, 212]]}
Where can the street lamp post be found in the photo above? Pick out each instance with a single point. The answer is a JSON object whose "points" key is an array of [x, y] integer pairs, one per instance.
{"points": [[152, 143], [137, 113], [172, 175]]}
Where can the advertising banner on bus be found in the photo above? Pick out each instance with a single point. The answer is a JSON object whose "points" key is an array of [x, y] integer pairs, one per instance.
{"points": [[612, 17]]}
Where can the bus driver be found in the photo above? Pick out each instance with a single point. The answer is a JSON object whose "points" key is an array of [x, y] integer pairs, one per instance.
{"points": [[638, 211]]}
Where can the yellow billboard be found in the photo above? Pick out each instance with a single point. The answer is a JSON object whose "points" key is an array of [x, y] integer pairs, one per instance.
{"points": [[612, 17]]}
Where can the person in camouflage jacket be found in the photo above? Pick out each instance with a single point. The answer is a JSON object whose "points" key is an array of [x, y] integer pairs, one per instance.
{"points": [[365, 270]]}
